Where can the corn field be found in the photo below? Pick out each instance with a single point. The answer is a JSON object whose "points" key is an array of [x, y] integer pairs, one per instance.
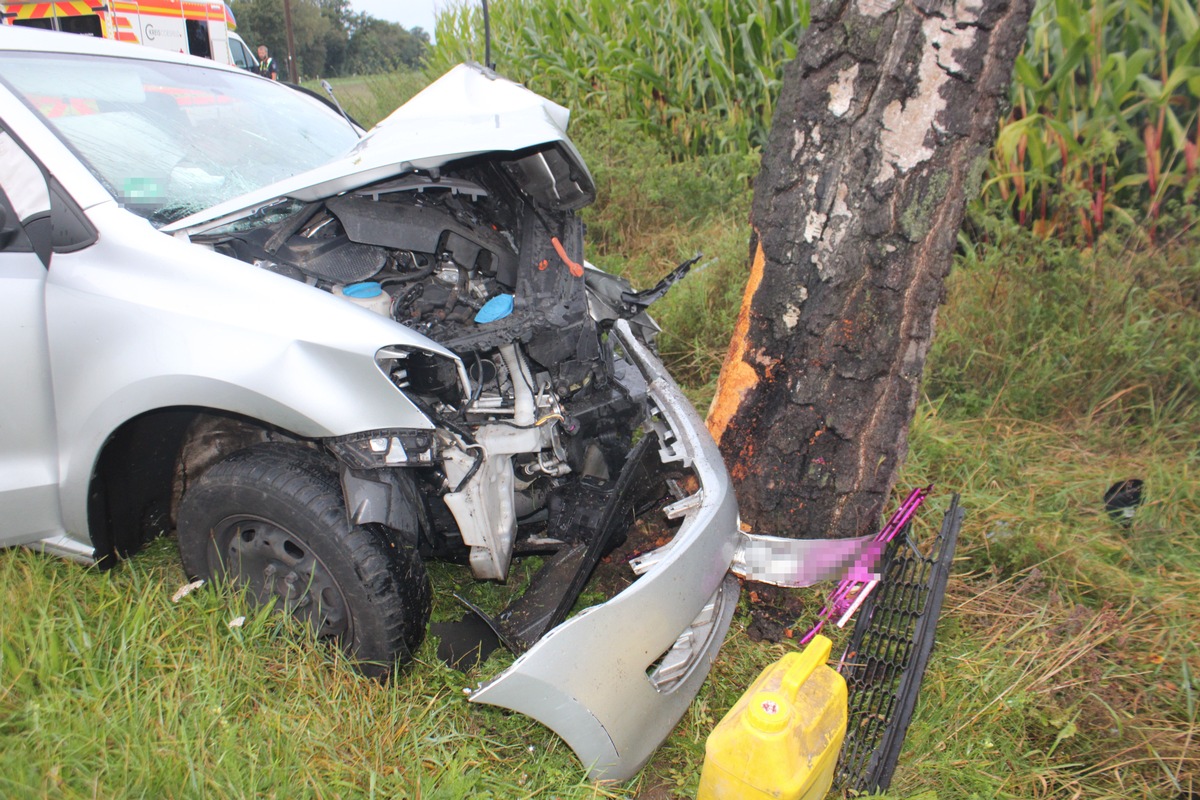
{"points": [[1104, 121], [1103, 127], [699, 76]]}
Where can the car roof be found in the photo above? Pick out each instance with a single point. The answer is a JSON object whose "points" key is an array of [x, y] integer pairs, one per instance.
{"points": [[15, 38]]}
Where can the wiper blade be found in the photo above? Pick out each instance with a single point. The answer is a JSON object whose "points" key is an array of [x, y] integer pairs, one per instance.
{"points": [[168, 214], [329, 90], [641, 300]]}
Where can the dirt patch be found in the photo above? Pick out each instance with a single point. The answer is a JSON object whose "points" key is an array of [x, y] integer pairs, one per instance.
{"points": [[775, 612], [659, 791]]}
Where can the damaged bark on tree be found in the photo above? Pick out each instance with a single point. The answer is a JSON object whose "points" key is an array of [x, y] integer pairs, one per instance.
{"points": [[879, 139]]}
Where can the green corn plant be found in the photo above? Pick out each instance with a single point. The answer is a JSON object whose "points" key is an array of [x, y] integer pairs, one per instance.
{"points": [[1104, 120], [700, 77], [1106, 95]]}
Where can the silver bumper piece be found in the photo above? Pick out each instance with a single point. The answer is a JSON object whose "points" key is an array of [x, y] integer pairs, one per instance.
{"points": [[615, 679]]}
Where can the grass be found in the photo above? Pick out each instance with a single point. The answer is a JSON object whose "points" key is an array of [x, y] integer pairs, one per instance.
{"points": [[1040, 353], [112, 690], [370, 98], [1069, 647]]}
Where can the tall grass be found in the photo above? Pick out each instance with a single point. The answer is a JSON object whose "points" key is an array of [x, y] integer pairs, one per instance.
{"points": [[370, 98], [108, 689], [1067, 653], [700, 77], [1107, 336]]}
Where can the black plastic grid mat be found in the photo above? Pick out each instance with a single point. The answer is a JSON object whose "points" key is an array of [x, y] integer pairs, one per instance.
{"points": [[888, 652]]}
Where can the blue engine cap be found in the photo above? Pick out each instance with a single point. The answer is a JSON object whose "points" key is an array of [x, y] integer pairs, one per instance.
{"points": [[498, 307], [363, 290]]}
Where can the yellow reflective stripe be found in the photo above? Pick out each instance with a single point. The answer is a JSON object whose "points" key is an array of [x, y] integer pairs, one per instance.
{"points": [[43, 10]]}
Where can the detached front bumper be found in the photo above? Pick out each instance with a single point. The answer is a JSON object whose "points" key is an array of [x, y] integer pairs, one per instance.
{"points": [[615, 679]]}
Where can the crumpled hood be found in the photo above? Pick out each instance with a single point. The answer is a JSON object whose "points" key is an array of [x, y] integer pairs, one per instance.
{"points": [[467, 107], [468, 111]]}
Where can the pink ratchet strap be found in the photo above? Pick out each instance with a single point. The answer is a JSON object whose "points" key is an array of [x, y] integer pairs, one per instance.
{"points": [[859, 582]]}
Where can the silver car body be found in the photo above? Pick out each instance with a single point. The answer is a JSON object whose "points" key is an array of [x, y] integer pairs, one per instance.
{"points": [[144, 319]]}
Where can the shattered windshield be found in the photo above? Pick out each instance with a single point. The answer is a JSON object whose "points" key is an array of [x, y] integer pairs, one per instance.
{"points": [[169, 140]]}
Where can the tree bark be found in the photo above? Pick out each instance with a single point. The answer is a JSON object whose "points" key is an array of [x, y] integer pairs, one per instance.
{"points": [[881, 135]]}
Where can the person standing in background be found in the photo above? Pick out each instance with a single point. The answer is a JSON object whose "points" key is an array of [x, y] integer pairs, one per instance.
{"points": [[266, 65]]}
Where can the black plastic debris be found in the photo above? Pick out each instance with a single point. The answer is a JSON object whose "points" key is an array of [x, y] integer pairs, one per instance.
{"points": [[889, 650], [1122, 499], [589, 522]]}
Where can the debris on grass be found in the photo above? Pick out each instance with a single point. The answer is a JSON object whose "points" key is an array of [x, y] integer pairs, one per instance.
{"points": [[185, 590]]}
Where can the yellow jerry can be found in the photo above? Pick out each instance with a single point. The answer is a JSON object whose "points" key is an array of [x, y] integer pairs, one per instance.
{"points": [[781, 740]]}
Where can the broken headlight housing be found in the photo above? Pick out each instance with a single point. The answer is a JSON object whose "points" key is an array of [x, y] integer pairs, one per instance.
{"points": [[390, 448], [425, 374]]}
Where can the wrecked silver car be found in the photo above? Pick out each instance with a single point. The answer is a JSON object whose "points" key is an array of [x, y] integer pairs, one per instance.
{"points": [[324, 356]]}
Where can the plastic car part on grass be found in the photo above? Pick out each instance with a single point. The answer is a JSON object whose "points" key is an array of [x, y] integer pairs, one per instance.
{"points": [[889, 650]]}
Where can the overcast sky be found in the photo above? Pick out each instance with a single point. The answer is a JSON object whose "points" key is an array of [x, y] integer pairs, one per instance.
{"points": [[409, 13]]}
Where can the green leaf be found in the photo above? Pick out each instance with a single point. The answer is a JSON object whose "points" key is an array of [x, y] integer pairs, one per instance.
{"points": [[1069, 63], [1185, 18], [1179, 76], [1152, 87], [1027, 76], [1066, 732], [1178, 134]]}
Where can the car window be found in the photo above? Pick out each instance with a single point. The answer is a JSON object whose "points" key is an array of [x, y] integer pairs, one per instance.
{"points": [[24, 196], [239, 54], [22, 180], [36, 206], [168, 140]]}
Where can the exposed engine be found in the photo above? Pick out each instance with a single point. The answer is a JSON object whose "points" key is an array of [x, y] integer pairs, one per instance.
{"points": [[470, 259]]}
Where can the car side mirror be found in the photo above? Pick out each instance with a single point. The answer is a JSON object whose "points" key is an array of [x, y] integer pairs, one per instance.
{"points": [[12, 233], [40, 231]]}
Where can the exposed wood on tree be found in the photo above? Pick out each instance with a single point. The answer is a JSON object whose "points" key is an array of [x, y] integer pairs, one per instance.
{"points": [[880, 137]]}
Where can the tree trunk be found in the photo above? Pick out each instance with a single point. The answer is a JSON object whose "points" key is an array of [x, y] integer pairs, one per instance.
{"points": [[880, 136]]}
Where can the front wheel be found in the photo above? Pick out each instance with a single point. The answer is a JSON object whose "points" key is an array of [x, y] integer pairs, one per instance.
{"points": [[271, 518]]}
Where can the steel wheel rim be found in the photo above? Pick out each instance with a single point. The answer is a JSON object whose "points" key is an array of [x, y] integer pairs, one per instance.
{"points": [[273, 563]]}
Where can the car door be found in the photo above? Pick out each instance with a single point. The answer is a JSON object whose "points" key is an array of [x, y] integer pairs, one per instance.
{"points": [[218, 41], [29, 508], [241, 54], [238, 54]]}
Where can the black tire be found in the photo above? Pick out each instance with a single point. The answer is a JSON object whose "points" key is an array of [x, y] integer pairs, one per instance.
{"points": [[271, 518]]}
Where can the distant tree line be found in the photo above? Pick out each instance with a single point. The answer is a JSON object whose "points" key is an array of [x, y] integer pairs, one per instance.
{"points": [[331, 38]]}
